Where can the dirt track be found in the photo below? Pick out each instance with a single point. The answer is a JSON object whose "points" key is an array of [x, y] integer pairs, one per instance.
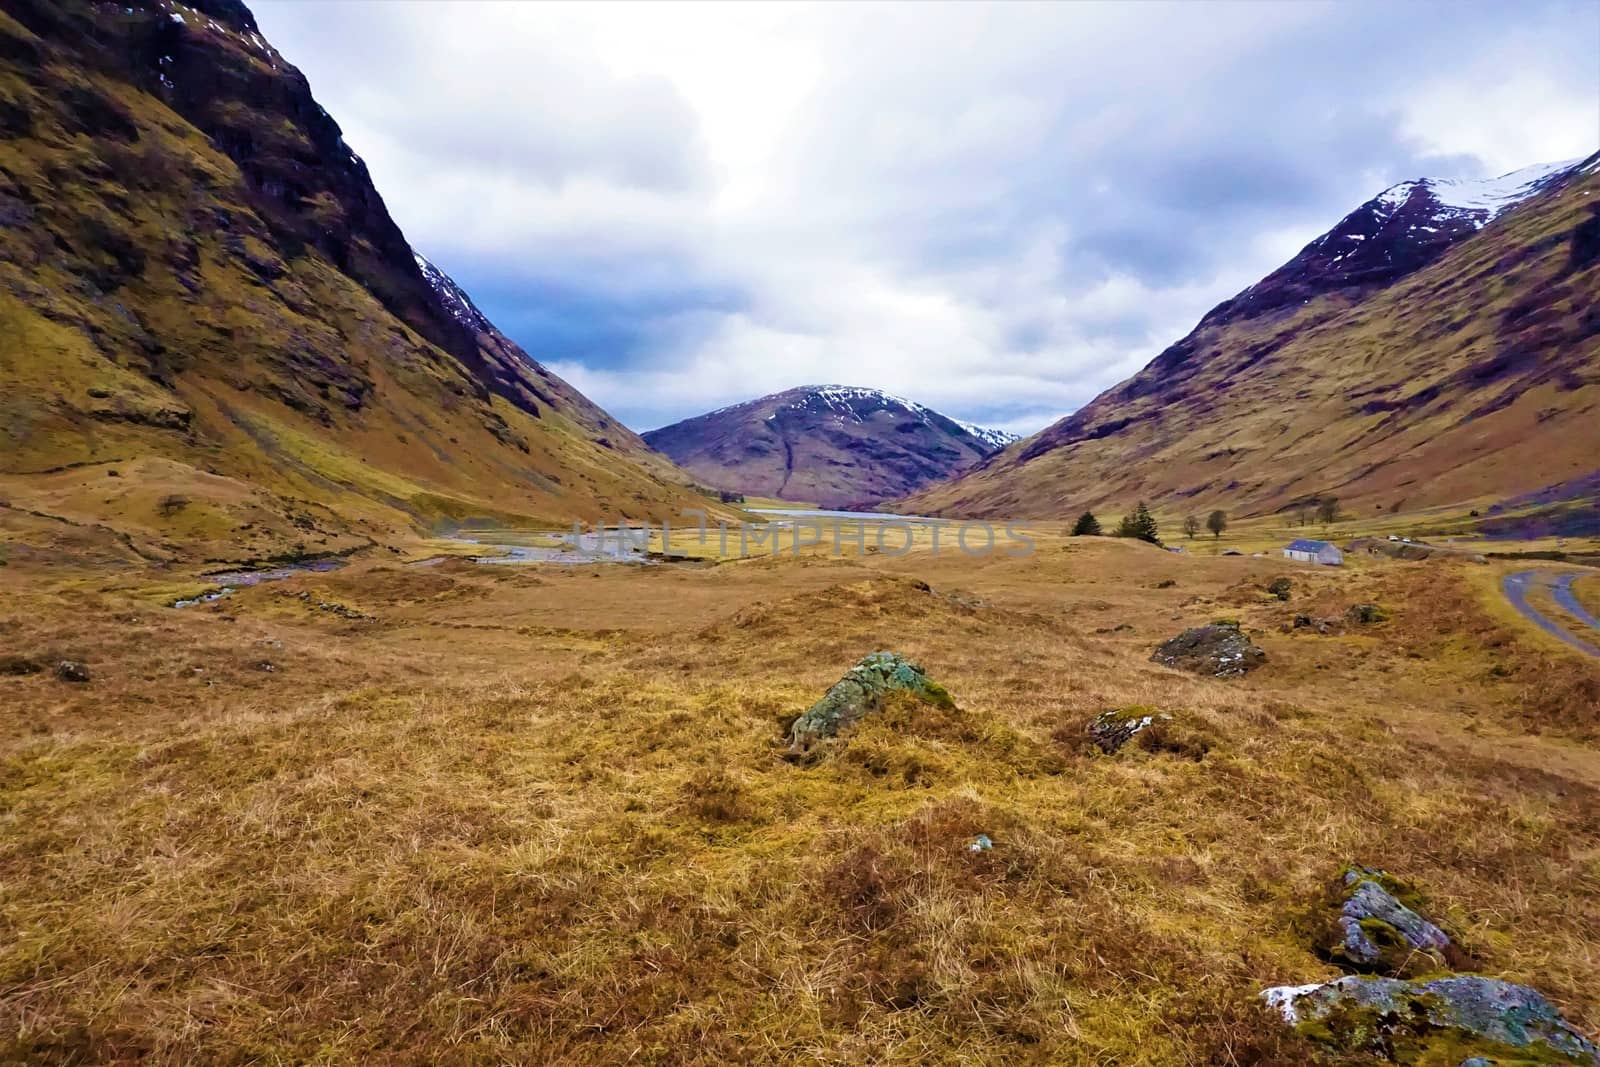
{"points": [[1516, 588]]}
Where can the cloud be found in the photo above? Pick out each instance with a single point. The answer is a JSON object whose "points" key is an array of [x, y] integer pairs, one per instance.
{"points": [[998, 210]]}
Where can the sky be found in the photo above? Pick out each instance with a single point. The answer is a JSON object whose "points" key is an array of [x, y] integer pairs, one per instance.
{"points": [[995, 210]]}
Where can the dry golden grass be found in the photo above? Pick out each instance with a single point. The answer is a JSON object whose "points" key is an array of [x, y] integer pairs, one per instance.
{"points": [[1587, 590], [541, 815]]}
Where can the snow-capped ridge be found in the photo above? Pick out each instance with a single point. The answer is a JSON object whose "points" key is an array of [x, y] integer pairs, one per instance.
{"points": [[996, 439], [1478, 199], [452, 296]]}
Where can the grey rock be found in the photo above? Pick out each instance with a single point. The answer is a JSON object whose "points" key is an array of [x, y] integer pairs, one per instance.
{"points": [[1375, 931], [1111, 730], [71, 671], [1219, 649], [1360, 1013]]}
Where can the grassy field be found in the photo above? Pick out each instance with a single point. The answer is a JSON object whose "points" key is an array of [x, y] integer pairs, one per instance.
{"points": [[464, 814], [1587, 590]]}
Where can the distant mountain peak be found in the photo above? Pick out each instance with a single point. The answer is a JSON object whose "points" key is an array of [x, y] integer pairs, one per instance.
{"points": [[996, 438], [1399, 231], [826, 444]]}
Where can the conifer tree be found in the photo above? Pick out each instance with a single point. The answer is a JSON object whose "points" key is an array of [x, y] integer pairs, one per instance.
{"points": [[1140, 524]]}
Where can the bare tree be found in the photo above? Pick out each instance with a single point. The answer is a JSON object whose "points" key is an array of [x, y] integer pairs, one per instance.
{"points": [[1191, 526], [1328, 510]]}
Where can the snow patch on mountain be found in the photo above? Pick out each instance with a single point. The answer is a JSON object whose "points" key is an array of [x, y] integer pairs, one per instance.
{"points": [[1494, 195], [456, 302], [995, 439], [853, 403], [1478, 200]]}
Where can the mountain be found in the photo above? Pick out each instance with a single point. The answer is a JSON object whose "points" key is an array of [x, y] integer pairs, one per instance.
{"points": [[995, 439], [1440, 345], [831, 445], [201, 289]]}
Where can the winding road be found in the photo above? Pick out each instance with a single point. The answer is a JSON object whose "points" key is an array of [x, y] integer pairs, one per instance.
{"points": [[1516, 588]]}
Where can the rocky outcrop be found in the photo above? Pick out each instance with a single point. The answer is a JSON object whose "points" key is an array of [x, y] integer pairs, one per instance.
{"points": [[1469, 1015], [1220, 649], [860, 692]]}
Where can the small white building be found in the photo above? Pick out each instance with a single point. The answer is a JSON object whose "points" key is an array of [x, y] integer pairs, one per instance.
{"points": [[1314, 552]]}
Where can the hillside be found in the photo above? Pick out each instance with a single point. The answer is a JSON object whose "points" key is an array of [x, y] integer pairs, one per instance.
{"points": [[831, 445], [196, 272], [1439, 346]]}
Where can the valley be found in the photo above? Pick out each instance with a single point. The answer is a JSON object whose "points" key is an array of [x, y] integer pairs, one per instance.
{"points": [[371, 694], [462, 813]]}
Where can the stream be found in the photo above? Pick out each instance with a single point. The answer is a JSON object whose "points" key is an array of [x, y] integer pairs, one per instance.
{"points": [[231, 581]]}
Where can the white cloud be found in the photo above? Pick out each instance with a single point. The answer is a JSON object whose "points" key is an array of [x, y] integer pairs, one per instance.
{"points": [[998, 210]]}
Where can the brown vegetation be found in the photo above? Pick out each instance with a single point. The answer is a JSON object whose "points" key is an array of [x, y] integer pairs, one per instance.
{"points": [[542, 815]]}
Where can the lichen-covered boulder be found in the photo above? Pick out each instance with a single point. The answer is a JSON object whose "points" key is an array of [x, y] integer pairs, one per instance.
{"points": [[1448, 1019], [1219, 649], [1376, 928], [860, 692], [1111, 730]]}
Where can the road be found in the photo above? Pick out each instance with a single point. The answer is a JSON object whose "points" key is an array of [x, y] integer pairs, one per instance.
{"points": [[1517, 587]]}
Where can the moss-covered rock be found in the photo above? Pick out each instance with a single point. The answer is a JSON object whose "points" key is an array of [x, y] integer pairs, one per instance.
{"points": [[860, 692], [1280, 588], [1434, 1021], [1220, 649], [1377, 929], [1365, 614]]}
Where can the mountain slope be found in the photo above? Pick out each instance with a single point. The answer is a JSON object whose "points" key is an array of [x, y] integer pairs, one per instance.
{"points": [[195, 268], [832, 445], [1440, 345]]}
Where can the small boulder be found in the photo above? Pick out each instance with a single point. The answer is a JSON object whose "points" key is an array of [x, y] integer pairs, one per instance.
{"points": [[1366, 614], [72, 671], [1464, 1015], [1280, 588], [1376, 928], [20, 665], [1111, 730], [1220, 649], [860, 692]]}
